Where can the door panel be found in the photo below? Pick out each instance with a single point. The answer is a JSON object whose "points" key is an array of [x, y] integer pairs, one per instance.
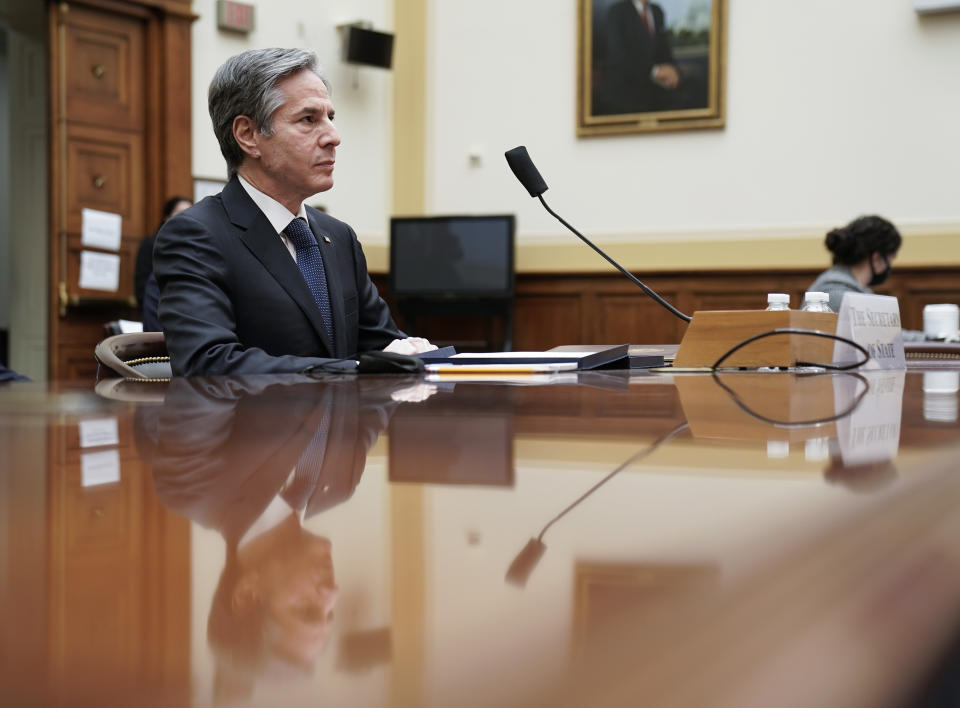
{"points": [[105, 171], [105, 62]]}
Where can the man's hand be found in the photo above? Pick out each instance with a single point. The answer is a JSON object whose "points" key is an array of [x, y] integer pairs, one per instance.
{"points": [[666, 75], [413, 394], [410, 345]]}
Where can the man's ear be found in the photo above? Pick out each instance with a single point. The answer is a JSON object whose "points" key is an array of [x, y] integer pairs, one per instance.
{"points": [[246, 135], [246, 593]]}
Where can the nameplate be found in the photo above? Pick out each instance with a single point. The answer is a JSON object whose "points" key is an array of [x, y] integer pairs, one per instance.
{"points": [[871, 433], [873, 322]]}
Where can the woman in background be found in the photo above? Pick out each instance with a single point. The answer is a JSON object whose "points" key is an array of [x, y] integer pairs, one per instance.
{"points": [[145, 285], [862, 253]]}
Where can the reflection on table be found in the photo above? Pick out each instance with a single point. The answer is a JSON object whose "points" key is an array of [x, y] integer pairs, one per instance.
{"points": [[388, 541]]}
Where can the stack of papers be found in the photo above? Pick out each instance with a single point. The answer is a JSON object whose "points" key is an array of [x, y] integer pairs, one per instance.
{"points": [[501, 368], [569, 359]]}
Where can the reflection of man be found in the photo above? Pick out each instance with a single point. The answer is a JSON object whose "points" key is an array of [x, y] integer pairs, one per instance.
{"points": [[251, 280], [636, 69], [252, 458]]}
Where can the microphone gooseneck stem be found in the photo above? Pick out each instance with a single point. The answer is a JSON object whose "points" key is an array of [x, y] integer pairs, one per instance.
{"points": [[635, 458], [631, 276]]}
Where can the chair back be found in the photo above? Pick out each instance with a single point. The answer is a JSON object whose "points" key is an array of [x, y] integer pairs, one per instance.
{"points": [[137, 355]]}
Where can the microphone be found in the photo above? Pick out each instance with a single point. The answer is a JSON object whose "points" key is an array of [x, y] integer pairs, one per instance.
{"points": [[525, 171]]}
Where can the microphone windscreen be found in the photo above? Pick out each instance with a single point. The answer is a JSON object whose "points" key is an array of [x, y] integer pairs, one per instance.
{"points": [[526, 171], [519, 571]]}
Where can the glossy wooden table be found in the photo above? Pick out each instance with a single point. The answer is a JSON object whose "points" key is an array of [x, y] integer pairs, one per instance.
{"points": [[604, 539]]}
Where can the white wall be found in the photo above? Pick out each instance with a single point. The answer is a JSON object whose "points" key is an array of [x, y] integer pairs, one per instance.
{"points": [[824, 119], [27, 248], [833, 109], [362, 97]]}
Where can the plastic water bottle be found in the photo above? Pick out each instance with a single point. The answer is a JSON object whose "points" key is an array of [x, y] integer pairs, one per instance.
{"points": [[816, 302], [778, 301]]}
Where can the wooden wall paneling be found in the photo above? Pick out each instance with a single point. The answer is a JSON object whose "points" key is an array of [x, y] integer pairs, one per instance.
{"points": [[570, 411], [572, 308], [97, 162], [916, 293], [560, 403], [635, 317], [153, 127], [175, 126], [472, 330], [167, 592], [743, 292], [57, 180], [127, 253], [95, 614], [75, 354], [545, 320], [119, 566], [120, 124], [580, 309], [105, 171], [659, 402], [728, 301], [73, 362], [106, 57]]}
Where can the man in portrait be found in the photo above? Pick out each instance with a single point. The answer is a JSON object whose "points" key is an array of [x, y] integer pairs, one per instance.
{"points": [[635, 68]]}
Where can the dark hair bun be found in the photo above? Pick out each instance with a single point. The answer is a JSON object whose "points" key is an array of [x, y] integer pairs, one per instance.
{"points": [[836, 240], [855, 242]]}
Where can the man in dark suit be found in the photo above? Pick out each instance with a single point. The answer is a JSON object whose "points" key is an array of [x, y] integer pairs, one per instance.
{"points": [[252, 280], [636, 69]]}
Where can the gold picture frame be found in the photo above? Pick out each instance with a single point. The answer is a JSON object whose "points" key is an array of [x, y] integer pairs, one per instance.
{"points": [[625, 83]]}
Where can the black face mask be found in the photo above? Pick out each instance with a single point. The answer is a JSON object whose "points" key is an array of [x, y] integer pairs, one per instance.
{"points": [[879, 278]]}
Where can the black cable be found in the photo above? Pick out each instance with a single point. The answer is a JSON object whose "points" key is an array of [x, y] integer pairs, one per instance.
{"points": [[803, 423], [635, 458], [805, 332], [634, 279]]}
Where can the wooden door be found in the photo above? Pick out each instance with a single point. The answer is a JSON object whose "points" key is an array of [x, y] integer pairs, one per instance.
{"points": [[120, 143]]}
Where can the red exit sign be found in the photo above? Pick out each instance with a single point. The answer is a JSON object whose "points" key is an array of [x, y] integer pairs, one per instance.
{"points": [[234, 16]]}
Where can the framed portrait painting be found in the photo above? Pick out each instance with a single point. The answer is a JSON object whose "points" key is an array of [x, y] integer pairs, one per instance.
{"points": [[650, 65]]}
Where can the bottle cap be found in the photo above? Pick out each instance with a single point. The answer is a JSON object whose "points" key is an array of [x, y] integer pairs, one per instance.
{"points": [[815, 296], [778, 297]]}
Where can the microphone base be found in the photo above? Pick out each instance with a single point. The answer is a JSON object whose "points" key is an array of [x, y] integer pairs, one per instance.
{"points": [[712, 333]]}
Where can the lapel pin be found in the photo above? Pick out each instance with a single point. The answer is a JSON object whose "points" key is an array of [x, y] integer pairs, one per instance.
{"points": [[326, 238]]}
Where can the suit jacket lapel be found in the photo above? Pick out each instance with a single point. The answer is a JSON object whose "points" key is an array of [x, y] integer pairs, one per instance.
{"points": [[258, 235]]}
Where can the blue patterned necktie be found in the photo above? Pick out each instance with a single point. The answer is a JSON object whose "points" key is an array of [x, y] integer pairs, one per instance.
{"points": [[304, 482], [311, 265]]}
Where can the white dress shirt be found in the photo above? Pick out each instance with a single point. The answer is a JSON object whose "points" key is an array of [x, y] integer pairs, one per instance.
{"points": [[277, 214]]}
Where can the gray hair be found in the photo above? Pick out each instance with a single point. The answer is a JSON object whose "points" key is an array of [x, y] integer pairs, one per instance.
{"points": [[246, 85]]}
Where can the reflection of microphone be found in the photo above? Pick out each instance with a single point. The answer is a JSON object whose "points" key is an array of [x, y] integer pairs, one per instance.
{"points": [[523, 565], [530, 178]]}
